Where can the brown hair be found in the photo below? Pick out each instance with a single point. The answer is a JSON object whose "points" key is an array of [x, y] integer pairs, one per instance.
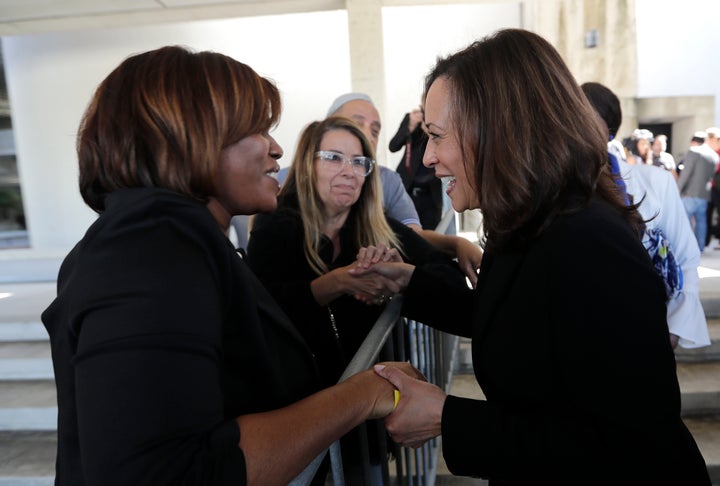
{"points": [[161, 119], [366, 216], [534, 139]]}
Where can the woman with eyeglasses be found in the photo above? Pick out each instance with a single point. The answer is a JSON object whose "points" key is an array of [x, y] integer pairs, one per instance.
{"points": [[329, 209]]}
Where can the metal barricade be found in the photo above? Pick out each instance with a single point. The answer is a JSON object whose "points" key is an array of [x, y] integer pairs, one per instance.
{"points": [[394, 338]]}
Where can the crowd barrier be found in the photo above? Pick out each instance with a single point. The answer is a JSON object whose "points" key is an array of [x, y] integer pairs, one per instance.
{"points": [[394, 338]]}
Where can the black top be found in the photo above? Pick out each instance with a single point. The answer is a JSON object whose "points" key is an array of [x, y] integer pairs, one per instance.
{"points": [[413, 172], [160, 337], [570, 346], [276, 255]]}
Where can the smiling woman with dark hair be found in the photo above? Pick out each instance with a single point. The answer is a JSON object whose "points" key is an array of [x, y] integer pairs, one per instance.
{"points": [[173, 364], [569, 337]]}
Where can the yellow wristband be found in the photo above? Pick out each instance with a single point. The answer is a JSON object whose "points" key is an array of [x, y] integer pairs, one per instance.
{"points": [[396, 394]]}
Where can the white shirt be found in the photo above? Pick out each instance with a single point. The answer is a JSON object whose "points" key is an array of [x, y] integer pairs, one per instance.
{"points": [[662, 208]]}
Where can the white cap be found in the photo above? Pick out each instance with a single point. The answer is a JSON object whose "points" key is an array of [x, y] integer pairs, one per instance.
{"points": [[700, 134], [642, 133], [713, 132], [347, 97]]}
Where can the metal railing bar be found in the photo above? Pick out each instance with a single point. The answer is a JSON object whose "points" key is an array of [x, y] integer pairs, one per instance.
{"points": [[366, 355], [369, 350]]}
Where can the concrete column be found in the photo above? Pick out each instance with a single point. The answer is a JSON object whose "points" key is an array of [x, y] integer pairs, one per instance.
{"points": [[367, 62]]}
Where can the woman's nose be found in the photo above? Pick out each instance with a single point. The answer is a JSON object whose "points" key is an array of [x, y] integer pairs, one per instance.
{"points": [[347, 168], [276, 150], [429, 158]]}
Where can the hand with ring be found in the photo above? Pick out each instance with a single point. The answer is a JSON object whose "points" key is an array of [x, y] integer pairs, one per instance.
{"points": [[370, 255]]}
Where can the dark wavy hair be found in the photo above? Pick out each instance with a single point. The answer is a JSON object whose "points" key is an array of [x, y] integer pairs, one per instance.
{"points": [[161, 119], [534, 139], [606, 104]]}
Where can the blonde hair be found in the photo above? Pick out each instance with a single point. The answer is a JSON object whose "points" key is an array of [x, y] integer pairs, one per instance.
{"points": [[366, 215]]}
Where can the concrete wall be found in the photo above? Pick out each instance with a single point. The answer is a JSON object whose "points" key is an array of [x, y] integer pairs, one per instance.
{"points": [[51, 78], [655, 54]]}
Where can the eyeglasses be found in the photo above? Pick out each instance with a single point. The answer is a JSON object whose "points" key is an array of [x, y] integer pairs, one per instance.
{"points": [[361, 165]]}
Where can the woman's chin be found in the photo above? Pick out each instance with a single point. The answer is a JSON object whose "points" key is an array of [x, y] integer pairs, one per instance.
{"points": [[458, 206]]}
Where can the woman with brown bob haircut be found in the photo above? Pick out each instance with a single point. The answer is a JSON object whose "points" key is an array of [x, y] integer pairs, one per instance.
{"points": [[173, 364], [569, 337]]}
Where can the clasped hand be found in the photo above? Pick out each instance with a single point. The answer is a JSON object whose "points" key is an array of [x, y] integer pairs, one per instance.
{"points": [[381, 288], [383, 266]]}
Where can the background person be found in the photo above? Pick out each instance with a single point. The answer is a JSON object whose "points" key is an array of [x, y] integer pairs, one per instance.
{"points": [[173, 364], [396, 202], [713, 224], [329, 214], [329, 210], [548, 325], [699, 165], [639, 147], [420, 182], [660, 206], [661, 157]]}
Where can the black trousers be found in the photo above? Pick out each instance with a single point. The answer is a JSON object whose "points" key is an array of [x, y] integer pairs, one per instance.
{"points": [[713, 207]]}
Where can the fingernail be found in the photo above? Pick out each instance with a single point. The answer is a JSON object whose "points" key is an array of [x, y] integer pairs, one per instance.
{"points": [[379, 367]]}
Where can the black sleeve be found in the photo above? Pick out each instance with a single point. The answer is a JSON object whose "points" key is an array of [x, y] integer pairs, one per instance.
{"points": [[149, 401], [437, 278], [399, 139]]}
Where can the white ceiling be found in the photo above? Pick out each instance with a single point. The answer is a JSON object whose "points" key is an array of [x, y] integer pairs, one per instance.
{"points": [[19, 17]]}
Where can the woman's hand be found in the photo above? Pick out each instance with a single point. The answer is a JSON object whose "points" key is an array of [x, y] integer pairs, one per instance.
{"points": [[395, 275], [370, 255], [369, 288], [418, 416], [381, 391], [469, 256]]}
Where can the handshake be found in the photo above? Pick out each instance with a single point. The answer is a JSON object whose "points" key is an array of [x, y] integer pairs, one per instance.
{"points": [[378, 274], [413, 413]]}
